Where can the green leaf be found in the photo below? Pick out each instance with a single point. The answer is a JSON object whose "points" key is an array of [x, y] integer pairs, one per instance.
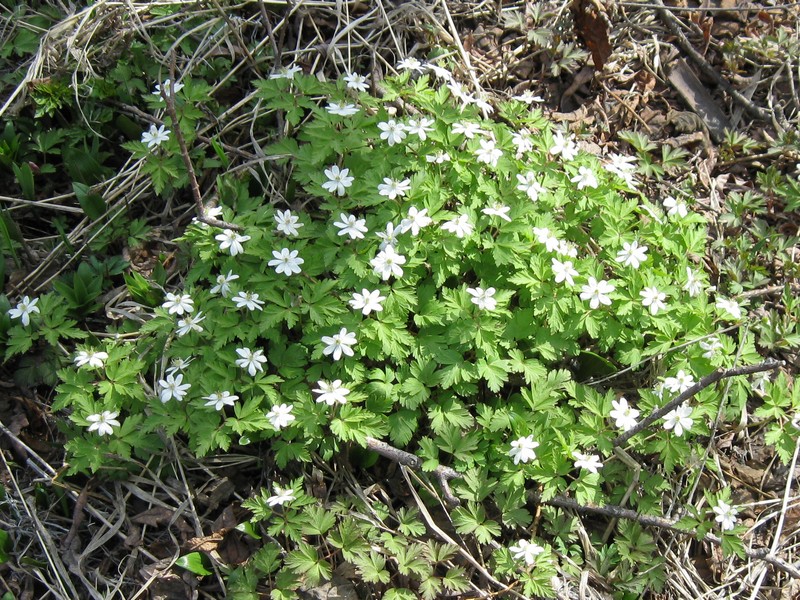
{"points": [[306, 562], [92, 203], [194, 562], [399, 594], [494, 371], [24, 176], [356, 424], [318, 521], [5, 546], [472, 519], [372, 569]]}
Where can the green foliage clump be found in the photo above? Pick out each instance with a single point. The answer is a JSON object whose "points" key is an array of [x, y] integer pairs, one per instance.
{"points": [[430, 277]]}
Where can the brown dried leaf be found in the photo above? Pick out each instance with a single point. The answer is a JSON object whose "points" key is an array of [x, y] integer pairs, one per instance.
{"points": [[154, 516], [592, 28], [206, 543]]}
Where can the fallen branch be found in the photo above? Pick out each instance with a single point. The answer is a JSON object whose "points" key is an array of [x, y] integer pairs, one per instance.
{"points": [[767, 365], [617, 512], [445, 474], [442, 473], [673, 25]]}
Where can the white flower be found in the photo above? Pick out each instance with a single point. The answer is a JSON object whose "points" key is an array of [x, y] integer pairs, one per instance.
{"points": [[624, 415], [653, 298], [338, 180], [178, 305], [498, 211], [392, 131], [488, 153], [590, 462], [585, 178], [457, 91], [189, 323], [91, 358], [410, 64], [420, 128], [693, 285], [679, 419], [342, 110], [286, 261], [24, 309], [155, 137], [460, 226], [250, 360], [726, 515], [173, 387], [674, 207], [165, 86], [331, 392], [623, 167], [210, 212], [529, 185], [565, 146], [438, 158], [281, 497], [438, 71], [248, 300], [387, 263], [389, 237], [416, 220], [355, 82], [104, 422], [730, 307], [220, 400], [543, 236], [563, 271], [632, 254], [621, 163], [680, 383], [528, 97], [469, 130], [367, 301], [759, 382], [596, 292], [286, 72], [223, 284], [287, 222], [522, 141], [339, 343], [522, 449], [481, 102], [351, 225], [393, 188], [483, 299], [526, 551], [179, 364], [281, 416], [566, 249], [711, 347], [231, 241]]}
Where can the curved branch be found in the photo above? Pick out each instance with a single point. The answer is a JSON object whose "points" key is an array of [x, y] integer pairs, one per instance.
{"points": [[767, 365]]}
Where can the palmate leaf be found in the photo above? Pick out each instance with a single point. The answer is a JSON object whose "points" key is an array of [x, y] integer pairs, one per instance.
{"points": [[306, 562], [350, 540], [494, 371], [355, 424], [411, 559], [402, 425], [472, 519], [372, 568], [449, 412]]}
